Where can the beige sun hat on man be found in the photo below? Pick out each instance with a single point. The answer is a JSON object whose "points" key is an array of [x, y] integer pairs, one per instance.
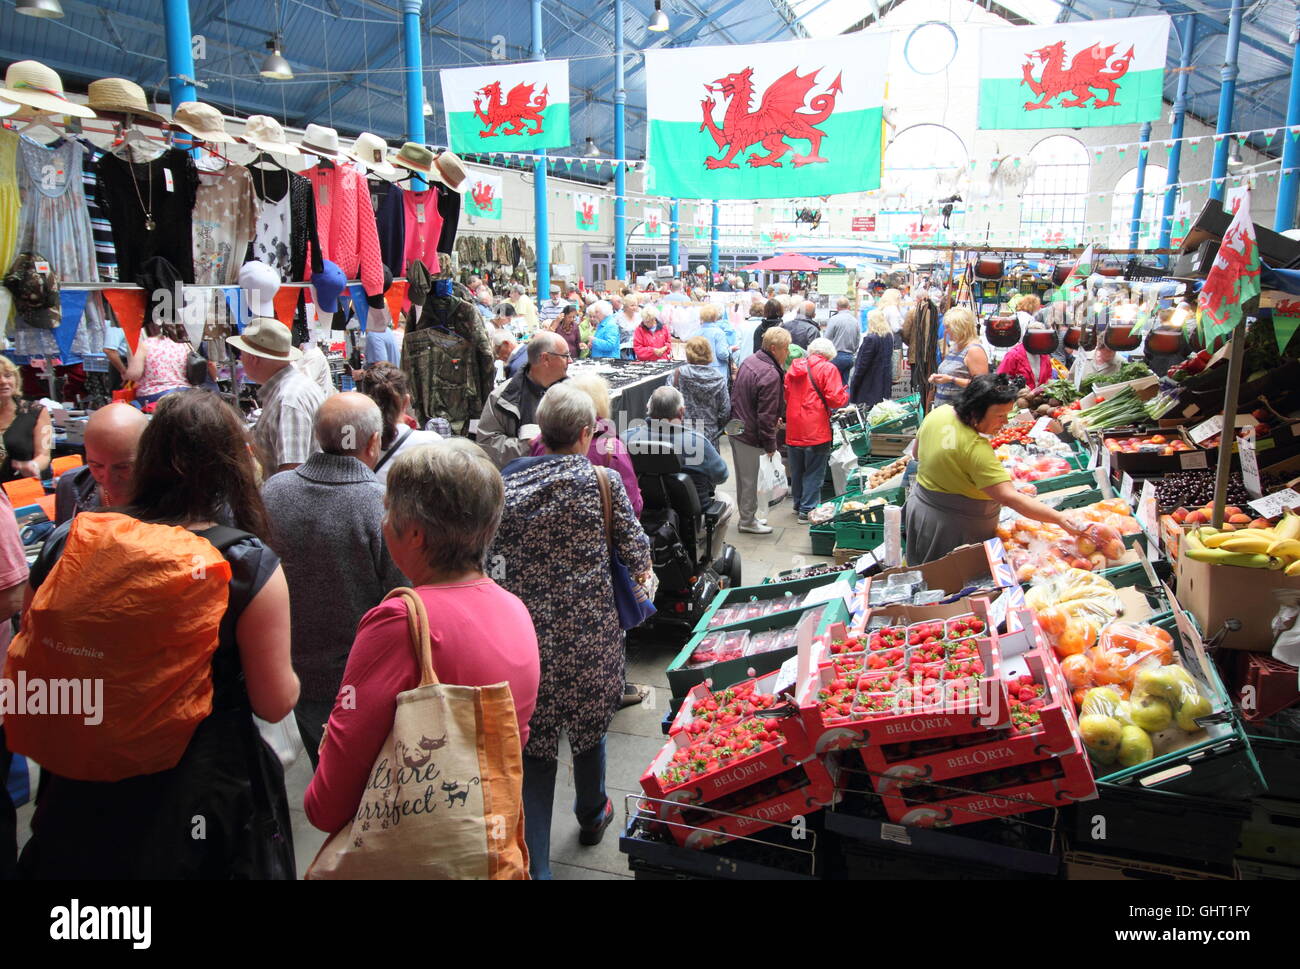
{"points": [[33, 84], [322, 142], [371, 152], [203, 121], [451, 172], [265, 337], [117, 95], [265, 134]]}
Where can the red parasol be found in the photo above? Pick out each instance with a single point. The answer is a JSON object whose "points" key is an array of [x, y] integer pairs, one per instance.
{"points": [[789, 262]]}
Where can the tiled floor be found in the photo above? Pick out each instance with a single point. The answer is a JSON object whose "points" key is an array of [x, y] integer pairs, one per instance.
{"points": [[634, 737]]}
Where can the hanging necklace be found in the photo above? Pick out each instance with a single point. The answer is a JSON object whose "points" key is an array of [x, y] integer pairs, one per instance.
{"points": [[149, 224]]}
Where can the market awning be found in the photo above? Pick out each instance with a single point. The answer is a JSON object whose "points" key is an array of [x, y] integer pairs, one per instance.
{"points": [[788, 262]]}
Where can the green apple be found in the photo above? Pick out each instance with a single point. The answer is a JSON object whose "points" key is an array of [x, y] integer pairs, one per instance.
{"points": [[1193, 707], [1134, 746], [1151, 713], [1101, 734]]}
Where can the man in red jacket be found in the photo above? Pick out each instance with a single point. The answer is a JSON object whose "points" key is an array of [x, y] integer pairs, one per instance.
{"points": [[813, 390], [758, 402]]}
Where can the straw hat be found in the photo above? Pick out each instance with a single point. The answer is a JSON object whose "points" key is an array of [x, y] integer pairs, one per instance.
{"points": [[265, 134], [203, 121], [117, 95], [451, 172], [415, 157], [322, 142], [35, 85], [372, 153], [266, 337]]}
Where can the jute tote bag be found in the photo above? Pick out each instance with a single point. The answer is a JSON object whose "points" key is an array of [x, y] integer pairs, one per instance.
{"points": [[444, 798]]}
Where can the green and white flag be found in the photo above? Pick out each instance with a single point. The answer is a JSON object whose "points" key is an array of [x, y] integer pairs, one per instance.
{"points": [[1075, 75], [507, 107], [586, 212], [1233, 278], [654, 223], [483, 200], [703, 222], [788, 120]]}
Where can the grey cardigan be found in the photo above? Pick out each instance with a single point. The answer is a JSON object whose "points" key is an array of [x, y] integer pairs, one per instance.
{"points": [[326, 526]]}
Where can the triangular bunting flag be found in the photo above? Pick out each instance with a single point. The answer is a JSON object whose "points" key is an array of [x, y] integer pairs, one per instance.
{"points": [[395, 299], [235, 302], [128, 304], [72, 304], [1286, 318], [286, 301], [359, 305]]}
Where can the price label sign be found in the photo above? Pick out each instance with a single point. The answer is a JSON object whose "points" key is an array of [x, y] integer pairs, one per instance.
{"points": [[1250, 464], [1040, 426], [1148, 516], [1095, 458], [1126, 487], [1276, 503], [1105, 460], [1206, 429], [1192, 460]]}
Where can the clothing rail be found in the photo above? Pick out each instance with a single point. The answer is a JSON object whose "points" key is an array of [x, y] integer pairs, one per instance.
{"points": [[95, 287]]}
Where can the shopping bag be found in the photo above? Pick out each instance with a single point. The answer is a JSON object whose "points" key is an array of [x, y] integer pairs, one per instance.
{"points": [[283, 738], [772, 481], [444, 795]]}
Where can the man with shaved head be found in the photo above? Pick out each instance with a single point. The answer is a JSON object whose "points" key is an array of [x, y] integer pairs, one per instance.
{"points": [[326, 520], [105, 481]]}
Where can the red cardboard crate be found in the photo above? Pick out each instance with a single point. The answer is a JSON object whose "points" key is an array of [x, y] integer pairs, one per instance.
{"points": [[796, 739], [910, 762], [941, 718], [798, 791]]}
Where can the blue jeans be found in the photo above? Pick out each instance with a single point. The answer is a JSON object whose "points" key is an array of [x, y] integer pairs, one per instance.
{"points": [[807, 472], [539, 795], [844, 364]]}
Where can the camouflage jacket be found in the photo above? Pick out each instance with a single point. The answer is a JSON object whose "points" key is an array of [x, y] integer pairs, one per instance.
{"points": [[448, 360]]}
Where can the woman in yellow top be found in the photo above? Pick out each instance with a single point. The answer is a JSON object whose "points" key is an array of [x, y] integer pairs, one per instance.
{"points": [[960, 485]]}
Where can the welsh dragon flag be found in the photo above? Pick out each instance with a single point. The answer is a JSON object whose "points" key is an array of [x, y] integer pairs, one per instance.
{"points": [[654, 223], [507, 107], [1076, 75], [1233, 279], [787, 120], [1081, 271], [586, 212], [483, 200], [703, 226]]}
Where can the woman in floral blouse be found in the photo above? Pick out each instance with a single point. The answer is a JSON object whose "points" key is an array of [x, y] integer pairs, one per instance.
{"points": [[554, 556]]}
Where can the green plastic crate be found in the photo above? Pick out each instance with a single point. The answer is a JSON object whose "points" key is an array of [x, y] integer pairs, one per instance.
{"points": [[761, 592], [823, 538], [899, 425], [1063, 481]]}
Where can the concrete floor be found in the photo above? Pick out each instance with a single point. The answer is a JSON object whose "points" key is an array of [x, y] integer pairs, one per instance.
{"points": [[634, 738]]}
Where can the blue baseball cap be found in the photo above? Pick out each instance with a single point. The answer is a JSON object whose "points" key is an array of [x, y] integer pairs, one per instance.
{"points": [[328, 283]]}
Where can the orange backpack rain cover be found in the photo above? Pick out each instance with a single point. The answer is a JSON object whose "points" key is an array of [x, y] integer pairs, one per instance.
{"points": [[138, 606]]}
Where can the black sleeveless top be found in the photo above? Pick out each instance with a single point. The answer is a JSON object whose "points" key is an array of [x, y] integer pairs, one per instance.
{"points": [[20, 438]]}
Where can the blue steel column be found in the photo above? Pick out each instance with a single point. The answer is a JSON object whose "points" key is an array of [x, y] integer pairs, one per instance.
{"points": [[620, 170], [1289, 186], [713, 240], [1143, 150], [414, 64], [180, 56], [1188, 38], [673, 235], [1227, 98], [541, 231]]}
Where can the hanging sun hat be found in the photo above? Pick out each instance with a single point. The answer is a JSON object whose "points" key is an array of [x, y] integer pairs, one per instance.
{"points": [[265, 134], [117, 95], [203, 121], [35, 85], [415, 157], [266, 337], [451, 172], [372, 152], [322, 142]]}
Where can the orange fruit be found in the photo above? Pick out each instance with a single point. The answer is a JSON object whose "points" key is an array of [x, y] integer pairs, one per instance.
{"points": [[1053, 620], [1077, 637], [1077, 670]]}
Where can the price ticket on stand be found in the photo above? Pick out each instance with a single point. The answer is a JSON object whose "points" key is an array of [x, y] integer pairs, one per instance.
{"points": [[1250, 464], [1148, 516], [1207, 429], [1126, 487], [1279, 501]]}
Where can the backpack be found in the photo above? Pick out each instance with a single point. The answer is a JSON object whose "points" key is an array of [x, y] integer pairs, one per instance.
{"points": [[134, 606]]}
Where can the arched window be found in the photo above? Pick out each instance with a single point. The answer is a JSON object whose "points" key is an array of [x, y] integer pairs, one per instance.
{"points": [[1153, 201], [1056, 197], [922, 165]]}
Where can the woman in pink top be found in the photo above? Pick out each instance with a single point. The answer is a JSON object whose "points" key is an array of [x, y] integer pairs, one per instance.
{"points": [[158, 364], [444, 504]]}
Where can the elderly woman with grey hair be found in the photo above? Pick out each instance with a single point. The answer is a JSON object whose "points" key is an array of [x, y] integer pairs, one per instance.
{"points": [[555, 555], [443, 506]]}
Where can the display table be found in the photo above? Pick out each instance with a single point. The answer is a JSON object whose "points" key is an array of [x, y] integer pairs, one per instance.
{"points": [[631, 383]]}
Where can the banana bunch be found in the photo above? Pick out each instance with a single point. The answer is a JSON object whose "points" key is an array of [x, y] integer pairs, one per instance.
{"points": [[1252, 548]]}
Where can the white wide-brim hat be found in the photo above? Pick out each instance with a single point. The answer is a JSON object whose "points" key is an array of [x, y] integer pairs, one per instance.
{"points": [[265, 134], [33, 84]]}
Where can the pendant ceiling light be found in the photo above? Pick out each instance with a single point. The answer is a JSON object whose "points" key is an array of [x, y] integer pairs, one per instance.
{"points": [[592, 150], [49, 9], [659, 20], [275, 66]]}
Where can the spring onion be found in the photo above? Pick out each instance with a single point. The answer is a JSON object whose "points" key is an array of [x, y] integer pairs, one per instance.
{"points": [[1122, 410]]}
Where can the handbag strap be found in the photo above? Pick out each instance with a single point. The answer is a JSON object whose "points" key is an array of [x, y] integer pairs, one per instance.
{"points": [[606, 506], [822, 397], [417, 622], [393, 450]]}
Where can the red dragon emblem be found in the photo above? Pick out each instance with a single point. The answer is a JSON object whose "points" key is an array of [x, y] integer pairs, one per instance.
{"points": [[483, 193], [778, 117], [588, 213], [1091, 68], [652, 224], [1231, 265], [516, 109]]}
